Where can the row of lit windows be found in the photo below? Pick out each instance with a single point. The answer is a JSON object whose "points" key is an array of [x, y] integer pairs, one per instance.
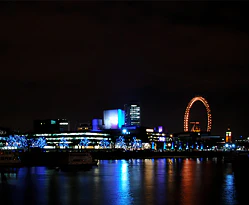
{"points": [[77, 138], [158, 134], [134, 111], [68, 134]]}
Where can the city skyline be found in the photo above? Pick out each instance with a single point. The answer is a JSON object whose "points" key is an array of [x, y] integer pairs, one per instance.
{"points": [[73, 60]]}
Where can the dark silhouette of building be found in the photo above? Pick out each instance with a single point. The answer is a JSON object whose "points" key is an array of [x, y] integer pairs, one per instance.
{"points": [[51, 125]]}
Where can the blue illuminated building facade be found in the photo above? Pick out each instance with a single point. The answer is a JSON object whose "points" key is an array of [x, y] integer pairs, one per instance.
{"points": [[114, 119]]}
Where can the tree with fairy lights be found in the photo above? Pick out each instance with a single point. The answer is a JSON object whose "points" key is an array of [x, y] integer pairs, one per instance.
{"points": [[84, 142], [187, 146], [17, 141], [121, 142], [12, 141], [63, 143], [23, 142], [104, 143], [39, 142], [135, 143]]}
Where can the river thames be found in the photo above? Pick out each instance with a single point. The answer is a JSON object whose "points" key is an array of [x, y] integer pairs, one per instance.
{"points": [[137, 181]]}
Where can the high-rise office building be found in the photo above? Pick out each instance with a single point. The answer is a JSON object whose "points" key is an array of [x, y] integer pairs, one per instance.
{"points": [[132, 114]]}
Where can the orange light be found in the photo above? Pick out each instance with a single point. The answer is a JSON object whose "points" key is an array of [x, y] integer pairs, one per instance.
{"points": [[186, 115]]}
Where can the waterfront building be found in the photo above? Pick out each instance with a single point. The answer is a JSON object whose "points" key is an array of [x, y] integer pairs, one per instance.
{"points": [[132, 114], [197, 141], [74, 140], [128, 138], [158, 139]]}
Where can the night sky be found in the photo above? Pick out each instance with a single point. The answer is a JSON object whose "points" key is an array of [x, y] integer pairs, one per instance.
{"points": [[74, 60]]}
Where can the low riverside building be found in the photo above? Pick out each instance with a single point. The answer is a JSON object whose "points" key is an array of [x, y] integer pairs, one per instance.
{"points": [[197, 141], [73, 140], [129, 138]]}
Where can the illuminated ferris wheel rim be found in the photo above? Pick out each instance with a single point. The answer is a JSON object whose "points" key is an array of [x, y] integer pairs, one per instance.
{"points": [[190, 104]]}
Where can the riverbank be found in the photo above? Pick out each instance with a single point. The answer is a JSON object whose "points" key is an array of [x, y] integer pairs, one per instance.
{"points": [[53, 158]]}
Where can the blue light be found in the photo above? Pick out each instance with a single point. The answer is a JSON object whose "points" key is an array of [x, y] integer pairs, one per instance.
{"points": [[84, 142], [233, 145], [226, 145], [164, 145], [180, 146], [63, 142], [136, 143], [152, 145], [187, 146], [40, 142], [124, 131], [140, 143], [201, 146], [121, 118], [104, 143], [121, 142], [17, 141], [172, 145]]}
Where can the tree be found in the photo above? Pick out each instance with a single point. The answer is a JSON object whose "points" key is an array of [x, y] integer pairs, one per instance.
{"points": [[23, 142], [39, 142], [104, 143], [17, 141], [63, 142], [121, 142], [12, 141], [135, 143], [84, 142]]}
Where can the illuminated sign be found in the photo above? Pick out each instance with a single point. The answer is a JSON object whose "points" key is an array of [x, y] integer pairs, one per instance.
{"points": [[149, 130], [162, 139], [63, 123], [53, 122], [114, 119]]}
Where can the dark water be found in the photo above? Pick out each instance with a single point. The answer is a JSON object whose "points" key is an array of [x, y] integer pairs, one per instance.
{"points": [[159, 181]]}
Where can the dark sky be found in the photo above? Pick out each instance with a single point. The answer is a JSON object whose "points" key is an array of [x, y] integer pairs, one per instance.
{"points": [[75, 60]]}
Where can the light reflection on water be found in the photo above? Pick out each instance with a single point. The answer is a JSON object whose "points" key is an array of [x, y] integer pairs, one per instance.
{"points": [[135, 181]]}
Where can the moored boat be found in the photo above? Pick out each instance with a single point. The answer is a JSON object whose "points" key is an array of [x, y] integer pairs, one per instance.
{"points": [[9, 159], [77, 161]]}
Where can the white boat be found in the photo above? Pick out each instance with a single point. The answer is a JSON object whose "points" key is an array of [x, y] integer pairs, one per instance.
{"points": [[9, 159]]}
